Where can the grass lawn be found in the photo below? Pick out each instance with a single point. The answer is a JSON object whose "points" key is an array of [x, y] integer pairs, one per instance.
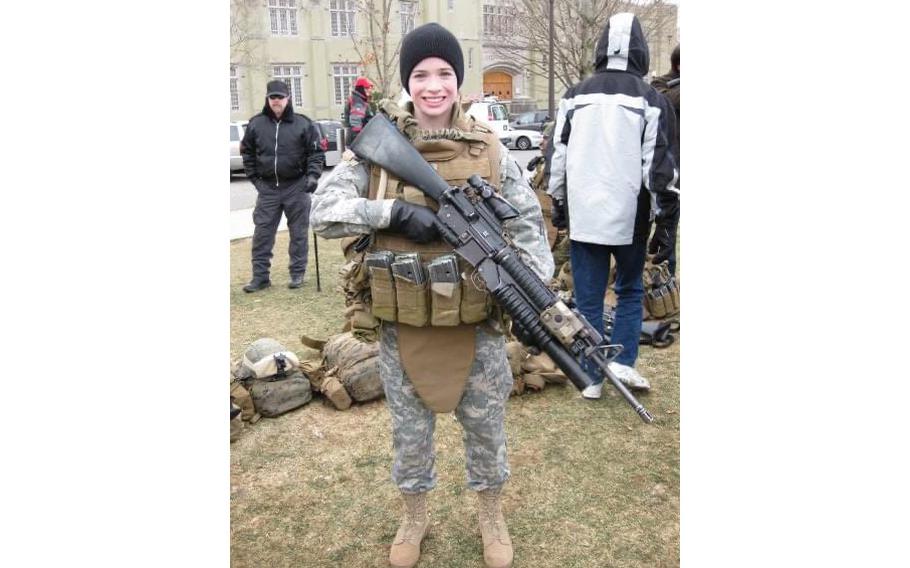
{"points": [[591, 484]]}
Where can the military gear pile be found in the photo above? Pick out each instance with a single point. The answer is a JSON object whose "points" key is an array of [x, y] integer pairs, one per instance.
{"points": [[531, 372], [275, 397], [660, 301], [355, 365], [236, 421], [661, 298], [269, 373], [343, 369], [241, 397], [661, 291]]}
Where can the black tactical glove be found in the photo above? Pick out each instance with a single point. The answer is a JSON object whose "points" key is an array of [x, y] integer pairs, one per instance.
{"points": [[311, 182], [664, 240], [560, 214], [532, 165], [416, 222]]}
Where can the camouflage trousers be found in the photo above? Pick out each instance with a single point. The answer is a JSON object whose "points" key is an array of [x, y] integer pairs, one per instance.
{"points": [[560, 251], [481, 413]]}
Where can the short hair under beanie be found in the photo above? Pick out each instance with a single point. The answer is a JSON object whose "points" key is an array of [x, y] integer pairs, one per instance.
{"points": [[430, 40]]}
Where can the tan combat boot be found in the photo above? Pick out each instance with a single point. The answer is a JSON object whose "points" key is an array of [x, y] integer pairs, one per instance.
{"points": [[497, 546], [405, 550]]}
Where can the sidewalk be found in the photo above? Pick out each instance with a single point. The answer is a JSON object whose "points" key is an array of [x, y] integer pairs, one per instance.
{"points": [[242, 223]]}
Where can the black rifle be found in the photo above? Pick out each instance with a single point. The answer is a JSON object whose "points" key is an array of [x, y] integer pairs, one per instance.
{"points": [[470, 219]]}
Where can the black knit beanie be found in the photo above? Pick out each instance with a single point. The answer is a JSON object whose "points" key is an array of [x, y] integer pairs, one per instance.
{"points": [[430, 40]]}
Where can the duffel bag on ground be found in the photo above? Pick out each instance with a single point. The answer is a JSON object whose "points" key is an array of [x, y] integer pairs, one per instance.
{"points": [[273, 398]]}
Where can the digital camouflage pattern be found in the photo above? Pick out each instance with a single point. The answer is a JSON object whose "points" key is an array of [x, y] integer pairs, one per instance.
{"points": [[481, 413], [527, 232], [341, 209], [274, 398], [354, 363], [340, 205], [560, 250]]}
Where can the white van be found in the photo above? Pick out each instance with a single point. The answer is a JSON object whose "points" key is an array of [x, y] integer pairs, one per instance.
{"points": [[237, 130], [492, 112]]}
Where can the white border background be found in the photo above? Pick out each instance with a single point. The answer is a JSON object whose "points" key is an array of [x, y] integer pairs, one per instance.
{"points": [[116, 312]]}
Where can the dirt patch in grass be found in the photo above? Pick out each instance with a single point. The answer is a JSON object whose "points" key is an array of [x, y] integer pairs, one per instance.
{"points": [[591, 484]]}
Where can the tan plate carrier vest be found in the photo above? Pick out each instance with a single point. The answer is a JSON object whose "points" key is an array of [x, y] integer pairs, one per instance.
{"points": [[436, 321]]}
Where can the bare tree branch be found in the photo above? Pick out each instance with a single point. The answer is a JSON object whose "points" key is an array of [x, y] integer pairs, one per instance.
{"points": [[378, 48], [247, 35], [577, 28]]}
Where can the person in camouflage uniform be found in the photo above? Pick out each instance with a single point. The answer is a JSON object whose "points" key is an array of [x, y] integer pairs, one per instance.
{"points": [[432, 69], [540, 166]]}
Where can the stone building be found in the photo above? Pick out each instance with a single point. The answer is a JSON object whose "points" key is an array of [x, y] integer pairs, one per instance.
{"points": [[310, 44]]}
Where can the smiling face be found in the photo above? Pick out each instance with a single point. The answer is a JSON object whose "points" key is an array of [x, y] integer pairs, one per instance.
{"points": [[433, 86]]}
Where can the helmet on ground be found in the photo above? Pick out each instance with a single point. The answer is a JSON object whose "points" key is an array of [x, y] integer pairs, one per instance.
{"points": [[266, 357]]}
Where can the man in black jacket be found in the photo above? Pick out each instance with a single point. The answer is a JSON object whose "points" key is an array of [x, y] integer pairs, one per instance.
{"points": [[283, 156]]}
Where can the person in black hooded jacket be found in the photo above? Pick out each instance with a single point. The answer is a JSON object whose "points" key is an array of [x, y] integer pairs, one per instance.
{"points": [[283, 156], [668, 86]]}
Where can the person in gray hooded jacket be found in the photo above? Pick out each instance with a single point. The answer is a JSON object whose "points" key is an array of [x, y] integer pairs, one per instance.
{"points": [[612, 168]]}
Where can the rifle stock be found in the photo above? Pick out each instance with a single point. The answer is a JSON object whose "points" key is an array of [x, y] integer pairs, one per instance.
{"points": [[470, 220]]}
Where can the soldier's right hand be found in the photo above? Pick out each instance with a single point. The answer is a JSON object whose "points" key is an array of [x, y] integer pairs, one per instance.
{"points": [[416, 222]]}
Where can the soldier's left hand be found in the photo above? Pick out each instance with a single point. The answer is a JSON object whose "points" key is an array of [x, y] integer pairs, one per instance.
{"points": [[312, 182]]}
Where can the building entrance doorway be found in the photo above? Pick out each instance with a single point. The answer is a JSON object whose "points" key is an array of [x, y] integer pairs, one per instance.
{"points": [[498, 84]]}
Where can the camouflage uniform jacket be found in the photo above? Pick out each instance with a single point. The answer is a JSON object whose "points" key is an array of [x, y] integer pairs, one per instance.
{"points": [[340, 209]]}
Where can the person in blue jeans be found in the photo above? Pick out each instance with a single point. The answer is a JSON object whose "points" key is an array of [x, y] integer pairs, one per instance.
{"points": [[590, 272], [612, 168]]}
